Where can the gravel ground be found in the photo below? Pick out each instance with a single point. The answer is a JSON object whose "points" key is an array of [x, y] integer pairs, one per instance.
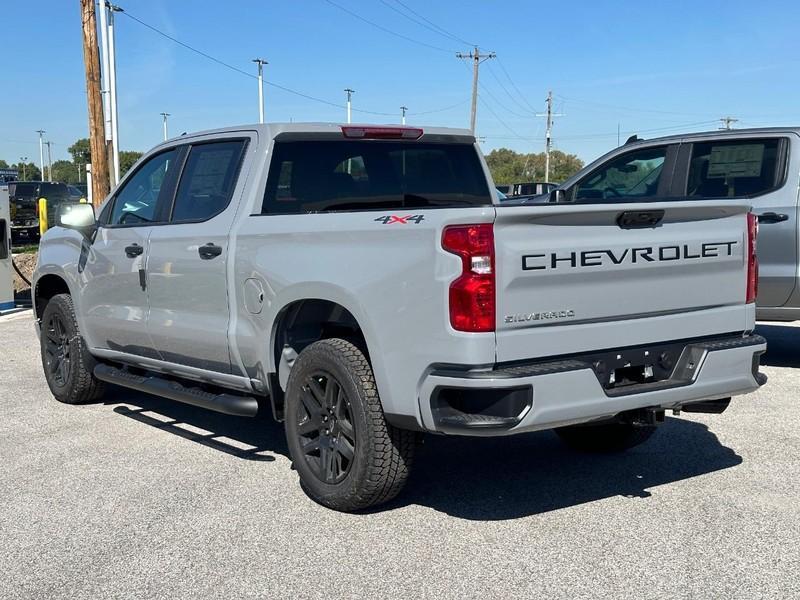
{"points": [[138, 497]]}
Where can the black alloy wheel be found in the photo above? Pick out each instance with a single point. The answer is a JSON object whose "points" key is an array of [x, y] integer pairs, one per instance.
{"points": [[325, 427]]}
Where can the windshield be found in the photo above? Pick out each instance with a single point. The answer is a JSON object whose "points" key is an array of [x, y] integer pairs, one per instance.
{"points": [[22, 190], [326, 176]]}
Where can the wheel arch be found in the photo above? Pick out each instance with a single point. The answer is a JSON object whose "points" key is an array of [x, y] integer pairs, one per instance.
{"points": [[45, 287]]}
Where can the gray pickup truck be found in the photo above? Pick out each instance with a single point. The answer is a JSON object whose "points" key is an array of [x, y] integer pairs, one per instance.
{"points": [[760, 167], [364, 284]]}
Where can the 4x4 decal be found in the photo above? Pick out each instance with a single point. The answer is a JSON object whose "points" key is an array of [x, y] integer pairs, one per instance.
{"points": [[390, 219]]}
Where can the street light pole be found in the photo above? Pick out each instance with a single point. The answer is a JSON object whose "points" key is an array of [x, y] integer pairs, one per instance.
{"points": [[403, 110], [112, 81], [164, 115], [49, 162], [260, 62], [349, 93], [41, 152]]}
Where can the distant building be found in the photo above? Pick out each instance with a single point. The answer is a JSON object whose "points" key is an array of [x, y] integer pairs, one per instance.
{"points": [[9, 175]]}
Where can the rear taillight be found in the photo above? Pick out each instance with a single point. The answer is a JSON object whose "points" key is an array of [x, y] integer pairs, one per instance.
{"points": [[382, 133], [472, 295], [752, 258]]}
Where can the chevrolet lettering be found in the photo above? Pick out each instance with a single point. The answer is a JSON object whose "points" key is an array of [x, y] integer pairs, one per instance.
{"points": [[600, 258]]}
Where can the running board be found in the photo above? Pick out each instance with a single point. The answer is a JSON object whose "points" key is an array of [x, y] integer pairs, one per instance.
{"points": [[229, 404]]}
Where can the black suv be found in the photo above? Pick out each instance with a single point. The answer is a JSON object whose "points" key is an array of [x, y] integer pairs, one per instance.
{"points": [[24, 200]]}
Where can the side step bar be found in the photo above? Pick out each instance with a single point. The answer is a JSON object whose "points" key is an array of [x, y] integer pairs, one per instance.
{"points": [[230, 404]]}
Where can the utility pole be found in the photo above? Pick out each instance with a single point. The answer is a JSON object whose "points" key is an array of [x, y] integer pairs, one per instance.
{"points": [[24, 161], [41, 132], [403, 110], [49, 162], [164, 115], [260, 62], [91, 60], [728, 122], [548, 143], [112, 80], [349, 93], [477, 58]]}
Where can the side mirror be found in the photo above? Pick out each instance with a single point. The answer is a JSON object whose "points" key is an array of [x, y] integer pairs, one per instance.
{"points": [[79, 217], [557, 195]]}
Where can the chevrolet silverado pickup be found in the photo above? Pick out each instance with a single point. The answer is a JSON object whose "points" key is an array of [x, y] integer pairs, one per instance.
{"points": [[364, 285]]}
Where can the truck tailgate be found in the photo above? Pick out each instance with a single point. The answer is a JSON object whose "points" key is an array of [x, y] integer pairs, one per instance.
{"points": [[576, 278]]}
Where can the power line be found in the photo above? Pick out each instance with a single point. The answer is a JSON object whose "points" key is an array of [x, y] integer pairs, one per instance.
{"points": [[521, 95], [503, 87], [430, 24], [630, 109], [245, 73], [384, 29]]}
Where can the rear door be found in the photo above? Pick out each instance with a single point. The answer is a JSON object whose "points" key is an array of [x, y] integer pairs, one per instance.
{"points": [[752, 169], [188, 257]]}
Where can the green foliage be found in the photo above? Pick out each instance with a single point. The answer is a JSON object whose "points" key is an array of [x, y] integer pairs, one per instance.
{"points": [[65, 171], [508, 166], [127, 158], [81, 152], [28, 171]]}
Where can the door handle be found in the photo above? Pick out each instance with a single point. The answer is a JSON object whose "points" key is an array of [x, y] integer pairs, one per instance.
{"points": [[133, 250], [209, 251], [771, 217]]}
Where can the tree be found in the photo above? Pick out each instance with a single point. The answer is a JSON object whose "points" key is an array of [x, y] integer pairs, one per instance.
{"points": [[508, 166], [3, 164], [65, 171], [28, 171], [126, 160], [81, 154]]}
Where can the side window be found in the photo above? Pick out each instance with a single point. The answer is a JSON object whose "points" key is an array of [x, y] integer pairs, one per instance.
{"points": [[207, 180], [135, 203], [632, 175], [731, 169]]}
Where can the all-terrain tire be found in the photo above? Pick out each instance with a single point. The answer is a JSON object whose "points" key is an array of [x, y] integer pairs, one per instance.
{"points": [[381, 455], [610, 437], [66, 360]]}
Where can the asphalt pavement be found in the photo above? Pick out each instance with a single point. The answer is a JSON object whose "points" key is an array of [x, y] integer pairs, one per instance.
{"points": [[139, 497]]}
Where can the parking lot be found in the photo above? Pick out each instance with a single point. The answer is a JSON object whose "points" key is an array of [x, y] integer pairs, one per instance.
{"points": [[141, 497]]}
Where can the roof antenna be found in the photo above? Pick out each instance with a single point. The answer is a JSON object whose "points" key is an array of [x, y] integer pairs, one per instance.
{"points": [[633, 138]]}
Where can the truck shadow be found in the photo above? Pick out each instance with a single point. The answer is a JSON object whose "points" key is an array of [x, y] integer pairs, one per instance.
{"points": [[483, 479], [491, 479], [242, 437], [783, 349]]}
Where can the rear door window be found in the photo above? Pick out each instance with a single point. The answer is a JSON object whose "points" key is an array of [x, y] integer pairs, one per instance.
{"points": [[333, 176], [734, 168], [633, 175], [208, 180]]}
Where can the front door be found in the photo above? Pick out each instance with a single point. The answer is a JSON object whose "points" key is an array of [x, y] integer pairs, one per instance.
{"points": [[114, 296], [187, 260]]}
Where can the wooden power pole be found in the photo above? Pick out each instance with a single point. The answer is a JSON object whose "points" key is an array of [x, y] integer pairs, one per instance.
{"points": [[97, 136]]}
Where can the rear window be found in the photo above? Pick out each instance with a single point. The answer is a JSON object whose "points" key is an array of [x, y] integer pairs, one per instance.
{"points": [[22, 190], [733, 169], [332, 176]]}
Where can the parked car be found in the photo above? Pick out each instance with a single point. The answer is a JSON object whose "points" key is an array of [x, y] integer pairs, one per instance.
{"points": [[360, 284], [759, 167], [24, 200]]}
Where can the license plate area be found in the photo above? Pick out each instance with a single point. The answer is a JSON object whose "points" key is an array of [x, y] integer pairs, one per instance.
{"points": [[625, 370]]}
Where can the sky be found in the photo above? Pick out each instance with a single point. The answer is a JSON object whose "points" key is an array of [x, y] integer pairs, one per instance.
{"points": [[651, 68]]}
